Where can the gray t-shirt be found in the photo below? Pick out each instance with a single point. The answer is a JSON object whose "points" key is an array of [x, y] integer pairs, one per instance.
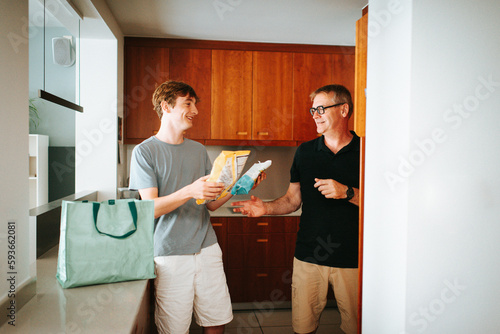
{"points": [[156, 164]]}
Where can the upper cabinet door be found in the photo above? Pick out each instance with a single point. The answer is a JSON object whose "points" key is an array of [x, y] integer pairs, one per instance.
{"points": [[231, 94], [145, 68], [310, 72], [343, 74], [272, 96], [194, 66]]}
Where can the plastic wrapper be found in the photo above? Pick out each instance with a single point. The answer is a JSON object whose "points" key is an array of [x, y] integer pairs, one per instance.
{"points": [[227, 169], [247, 181]]}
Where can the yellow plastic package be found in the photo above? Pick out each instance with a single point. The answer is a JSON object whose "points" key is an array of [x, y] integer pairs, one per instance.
{"points": [[227, 169]]}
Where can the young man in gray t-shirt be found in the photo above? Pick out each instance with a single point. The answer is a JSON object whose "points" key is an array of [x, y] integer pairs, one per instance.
{"points": [[172, 171]]}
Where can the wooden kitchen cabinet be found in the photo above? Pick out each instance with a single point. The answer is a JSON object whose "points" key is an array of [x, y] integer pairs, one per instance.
{"points": [[259, 285], [231, 95], [144, 68], [251, 93], [262, 250], [220, 227], [272, 113], [310, 72], [343, 74], [194, 67], [258, 256]]}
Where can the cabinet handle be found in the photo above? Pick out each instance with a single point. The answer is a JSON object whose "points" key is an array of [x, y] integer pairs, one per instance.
{"points": [[262, 240], [216, 224], [262, 275], [241, 133], [262, 224], [263, 133]]}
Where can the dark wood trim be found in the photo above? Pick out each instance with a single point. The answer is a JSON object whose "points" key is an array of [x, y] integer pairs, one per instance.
{"points": [[60, 101], [223, 142], [365, 10], [133, 141], [243, 46]]}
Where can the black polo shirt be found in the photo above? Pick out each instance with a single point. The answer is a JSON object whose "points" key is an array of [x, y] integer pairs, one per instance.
{"points": [[329, 228]]}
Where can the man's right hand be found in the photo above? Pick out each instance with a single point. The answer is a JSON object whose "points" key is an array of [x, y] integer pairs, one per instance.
{"points": [[201, 189], [253, 208]]}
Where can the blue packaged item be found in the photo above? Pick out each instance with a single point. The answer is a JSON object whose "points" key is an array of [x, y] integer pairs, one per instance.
{"points": [[247, 181]]}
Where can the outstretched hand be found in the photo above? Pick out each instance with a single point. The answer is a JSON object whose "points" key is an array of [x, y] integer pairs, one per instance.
{"points": [[251, 208], [201, 189]]}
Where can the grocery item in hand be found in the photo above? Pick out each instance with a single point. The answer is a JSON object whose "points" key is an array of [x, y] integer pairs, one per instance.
{"points": [[246, 182], [227, 169]]}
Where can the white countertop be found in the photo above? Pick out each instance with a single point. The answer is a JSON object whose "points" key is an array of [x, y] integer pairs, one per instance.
{"points": [[106, 308]]}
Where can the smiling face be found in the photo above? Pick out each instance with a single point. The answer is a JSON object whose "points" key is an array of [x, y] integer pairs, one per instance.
{"points": [[183, 113], [333, 117]]}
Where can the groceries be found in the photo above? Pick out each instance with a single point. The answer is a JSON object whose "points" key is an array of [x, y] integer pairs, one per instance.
{"points": [[227, 169], [247, 181]]}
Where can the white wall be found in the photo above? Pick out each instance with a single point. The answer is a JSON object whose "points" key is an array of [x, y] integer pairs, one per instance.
{"points": [[385, 229], [432, 180], [96, 127], [101, 79], [14, 149]]}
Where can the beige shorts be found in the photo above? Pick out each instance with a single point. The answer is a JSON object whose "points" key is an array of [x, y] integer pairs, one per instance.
{"points": [[187, 284], [309, 293]]}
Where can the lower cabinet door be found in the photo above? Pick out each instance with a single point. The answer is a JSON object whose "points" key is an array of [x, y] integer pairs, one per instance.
{"points": [[271, 250], [260, 285]]}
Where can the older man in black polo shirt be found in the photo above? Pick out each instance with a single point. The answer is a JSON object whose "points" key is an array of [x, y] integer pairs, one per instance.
{"points": [[325, 181]]}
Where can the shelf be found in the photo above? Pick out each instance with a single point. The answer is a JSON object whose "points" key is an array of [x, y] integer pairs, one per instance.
{"points": [[38, 170]]}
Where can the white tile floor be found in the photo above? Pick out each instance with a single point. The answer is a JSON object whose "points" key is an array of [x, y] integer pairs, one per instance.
{"points": [[274, 322]]}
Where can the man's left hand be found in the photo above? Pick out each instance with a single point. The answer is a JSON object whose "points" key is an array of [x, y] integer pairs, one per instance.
{"points": [[331, 188]]}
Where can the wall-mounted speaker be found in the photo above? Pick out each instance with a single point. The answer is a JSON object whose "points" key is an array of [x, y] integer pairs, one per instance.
{"points": [[62, 51]]}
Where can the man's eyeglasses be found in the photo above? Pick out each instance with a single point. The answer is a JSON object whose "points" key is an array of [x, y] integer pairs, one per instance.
{"points": [[321, 110]]}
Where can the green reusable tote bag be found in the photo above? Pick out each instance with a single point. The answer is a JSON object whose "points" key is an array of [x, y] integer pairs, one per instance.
{"points": [[105, 242]]}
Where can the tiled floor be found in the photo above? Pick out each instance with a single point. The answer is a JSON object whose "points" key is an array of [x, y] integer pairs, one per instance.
{"points": [[274, 322]]}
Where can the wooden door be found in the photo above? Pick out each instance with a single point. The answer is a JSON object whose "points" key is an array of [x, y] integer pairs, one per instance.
{"points": [[272, 96], [194, 66], [360, 123], [231, 94], [145, 68], [310, 72]]}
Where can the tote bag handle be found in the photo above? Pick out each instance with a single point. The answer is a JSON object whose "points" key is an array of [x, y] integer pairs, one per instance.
{"points": [[133, 213]]}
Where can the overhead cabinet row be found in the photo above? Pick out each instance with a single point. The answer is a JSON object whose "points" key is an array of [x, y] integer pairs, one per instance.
{"points": [[245, 95]]}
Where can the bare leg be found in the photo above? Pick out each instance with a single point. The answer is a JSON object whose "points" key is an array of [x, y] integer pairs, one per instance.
{"points": [[214, 330]]}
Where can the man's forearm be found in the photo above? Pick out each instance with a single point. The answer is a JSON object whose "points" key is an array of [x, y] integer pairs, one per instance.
{"points": [[281, 206], [167, 204], [214, 205]]}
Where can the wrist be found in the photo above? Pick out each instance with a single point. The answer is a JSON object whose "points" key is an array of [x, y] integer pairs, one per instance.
{"points": [[349, 193], [265, 206]]}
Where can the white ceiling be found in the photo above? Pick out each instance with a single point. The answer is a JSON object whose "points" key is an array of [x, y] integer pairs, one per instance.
{"points": [[330, 22]]}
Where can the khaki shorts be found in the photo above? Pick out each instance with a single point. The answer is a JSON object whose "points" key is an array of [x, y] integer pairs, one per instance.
{"points": [[309, 293], [187, 284]]}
